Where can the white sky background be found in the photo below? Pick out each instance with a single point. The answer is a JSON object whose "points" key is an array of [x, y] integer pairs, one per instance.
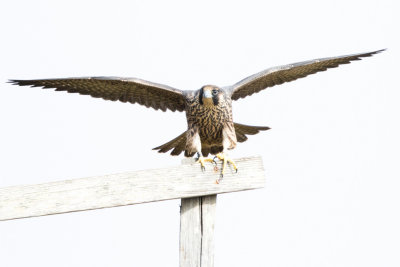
{"points": [[331, 158]]}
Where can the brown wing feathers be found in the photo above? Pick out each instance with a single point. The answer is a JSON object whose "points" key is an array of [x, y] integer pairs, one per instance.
{"points": [[130, 90], [286, 73]]}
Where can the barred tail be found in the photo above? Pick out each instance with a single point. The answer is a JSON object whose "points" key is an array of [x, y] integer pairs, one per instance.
{"points": [[178, 144], [243, 130]]}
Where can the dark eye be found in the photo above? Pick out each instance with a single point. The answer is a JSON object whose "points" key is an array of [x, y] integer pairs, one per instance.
{"points": [[214, 92]]}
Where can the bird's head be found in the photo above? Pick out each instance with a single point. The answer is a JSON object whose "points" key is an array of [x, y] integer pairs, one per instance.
{"points": [[210, 95]]}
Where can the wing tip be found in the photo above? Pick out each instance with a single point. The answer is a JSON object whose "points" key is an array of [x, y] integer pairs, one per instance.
{"points": [[23, 83], [369, 54], [379, 51], [14, 82]]}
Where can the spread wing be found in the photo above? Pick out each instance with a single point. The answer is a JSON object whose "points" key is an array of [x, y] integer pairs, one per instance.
{"points": [[131, 90], [287, 73]]}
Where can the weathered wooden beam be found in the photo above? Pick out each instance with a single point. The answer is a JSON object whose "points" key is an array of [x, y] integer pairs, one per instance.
{"points": [[128, 188]]}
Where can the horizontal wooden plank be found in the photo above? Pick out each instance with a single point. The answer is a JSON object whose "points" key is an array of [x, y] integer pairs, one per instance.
{"points": [[128, 188]]}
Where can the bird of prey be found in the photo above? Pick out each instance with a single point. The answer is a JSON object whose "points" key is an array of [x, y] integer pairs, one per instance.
{"points": [[211, 129]]}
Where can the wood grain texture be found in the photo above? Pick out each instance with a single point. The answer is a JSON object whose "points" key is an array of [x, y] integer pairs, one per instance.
{"points": [[190, 233], [183, 181], [196, 242], [208, 209]]}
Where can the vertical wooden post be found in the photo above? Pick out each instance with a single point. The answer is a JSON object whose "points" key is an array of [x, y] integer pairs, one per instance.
{"points": [[196, 244], [197, 231], [208, 207]]}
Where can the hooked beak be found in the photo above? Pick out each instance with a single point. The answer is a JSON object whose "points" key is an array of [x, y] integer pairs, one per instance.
{"points": [[207, 94]]}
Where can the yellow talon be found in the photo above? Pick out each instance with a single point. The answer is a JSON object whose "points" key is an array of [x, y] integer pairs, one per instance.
{"points": [[202, 160], [226, 159]]}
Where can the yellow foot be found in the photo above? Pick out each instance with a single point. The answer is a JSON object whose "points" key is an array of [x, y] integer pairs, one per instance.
{"points": [[226, 159], [202, 160]]}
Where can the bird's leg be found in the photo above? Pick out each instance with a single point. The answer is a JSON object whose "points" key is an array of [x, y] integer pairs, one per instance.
{"points": [[193, 143], [202, 160], [226, 159], [228, 142]]}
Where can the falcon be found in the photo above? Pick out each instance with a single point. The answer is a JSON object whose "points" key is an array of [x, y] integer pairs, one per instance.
{"points": [[211, 129]]}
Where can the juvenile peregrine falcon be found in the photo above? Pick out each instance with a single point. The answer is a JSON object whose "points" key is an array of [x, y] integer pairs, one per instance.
{"points": [[211, 129]]}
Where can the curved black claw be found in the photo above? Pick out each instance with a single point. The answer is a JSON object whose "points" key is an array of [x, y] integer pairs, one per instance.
{"points": [[214, 161]]}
